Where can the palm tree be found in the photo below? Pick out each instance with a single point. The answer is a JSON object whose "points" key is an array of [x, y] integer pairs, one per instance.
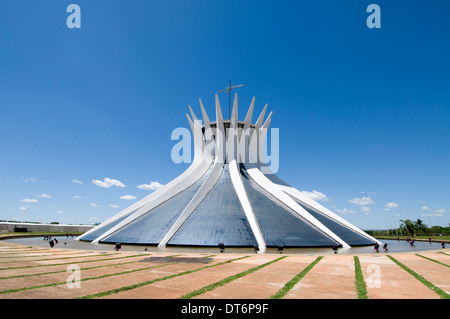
{"points": [[407, 225], [420, 226]]}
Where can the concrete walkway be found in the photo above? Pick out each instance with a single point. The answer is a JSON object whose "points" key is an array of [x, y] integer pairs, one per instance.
{"points": [[37, 273]]}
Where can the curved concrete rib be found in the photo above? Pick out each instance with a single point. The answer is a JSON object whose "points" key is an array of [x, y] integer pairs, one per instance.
{"points": [[204, 189], [313, 204], [211, 180], [197, 169], [265, 183], [292, 191], [168, 193], [153, 196], [236, 179]]}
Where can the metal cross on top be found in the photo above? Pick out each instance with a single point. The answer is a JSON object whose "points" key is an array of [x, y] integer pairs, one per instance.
{"points": [[229, 88]]}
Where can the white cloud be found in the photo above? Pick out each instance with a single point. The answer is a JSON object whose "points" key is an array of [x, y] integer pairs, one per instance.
{"points": [[365, 209], [94, 218], [317, 196], [369, 193], [77, 181], [31, 179], [345, 211], [95, 205], [128, 197], [29, 200], [114, 205], [150, 187], [390, 205], [107, 183], [24, 207], [437, 212], [363, 201], [59, 212], [77, 197], [44, 196]]}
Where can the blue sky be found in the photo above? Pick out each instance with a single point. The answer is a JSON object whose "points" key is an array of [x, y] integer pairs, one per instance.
{"points": [[363, 114]]}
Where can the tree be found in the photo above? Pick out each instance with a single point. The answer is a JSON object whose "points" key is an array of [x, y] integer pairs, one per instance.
{"points": [[420, 226], [407, 225]]}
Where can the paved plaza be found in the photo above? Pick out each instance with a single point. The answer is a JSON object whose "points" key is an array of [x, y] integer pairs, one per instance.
{"points": [[36, 272]]}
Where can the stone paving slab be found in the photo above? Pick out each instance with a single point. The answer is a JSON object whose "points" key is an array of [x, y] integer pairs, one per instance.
{"points": [[386, 280], [23, 251], [102, 260], [332, 278], [100, 285], [179, 286], [435, 273], [56, 260], [263, 283], [39, 256], [201, 260], [46, 260], [6, 256], [15, 283], [443, 258], [18, 248]]}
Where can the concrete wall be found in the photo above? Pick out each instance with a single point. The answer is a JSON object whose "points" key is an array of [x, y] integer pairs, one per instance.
{"points": [[9, 227]]}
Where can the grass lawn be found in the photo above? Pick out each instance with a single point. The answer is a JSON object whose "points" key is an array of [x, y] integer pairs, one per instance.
{"points": [[424, 237]]}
